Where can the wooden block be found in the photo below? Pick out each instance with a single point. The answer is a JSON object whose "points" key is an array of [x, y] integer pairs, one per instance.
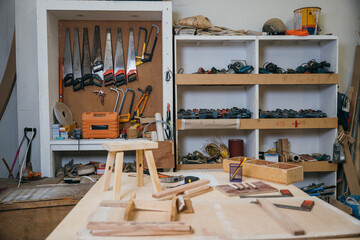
{"points": [[188, 208], [138, 228], [180, 189], [261, 187], [152, 169], [118, 173], [117, 146], [173, 209], [285, 221], [285, 149], [140, 167], [139, 204], [340, 205], [129, 207], [164, 155], [108, 170]]}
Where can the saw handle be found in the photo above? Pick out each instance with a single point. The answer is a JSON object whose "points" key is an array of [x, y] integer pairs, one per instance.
{"points": [[68, 79], [78, 84], [120, 78], [108, 77], [96, 80], [131, 76], [86, 79]]}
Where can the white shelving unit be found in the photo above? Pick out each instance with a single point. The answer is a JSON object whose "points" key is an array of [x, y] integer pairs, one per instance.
{"points": [[49, 13], [258, 91]]}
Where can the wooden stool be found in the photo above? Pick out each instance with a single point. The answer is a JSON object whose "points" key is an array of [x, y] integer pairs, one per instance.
{"points": [[116, 151]]}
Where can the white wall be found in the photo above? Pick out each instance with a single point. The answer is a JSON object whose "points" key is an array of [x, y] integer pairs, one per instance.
{"points": [[8, 123], [338, 17], [341, 18]]}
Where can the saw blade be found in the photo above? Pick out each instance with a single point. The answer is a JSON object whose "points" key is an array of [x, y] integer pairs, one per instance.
{"points": [[119, 61], [96, 57], [131, 62], [67, 62], [108, 60], [85, 63], [77, 62]]}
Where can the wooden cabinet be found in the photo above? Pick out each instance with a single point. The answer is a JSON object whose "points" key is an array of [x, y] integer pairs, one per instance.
{"points": [[52, 16], [258, 91]]}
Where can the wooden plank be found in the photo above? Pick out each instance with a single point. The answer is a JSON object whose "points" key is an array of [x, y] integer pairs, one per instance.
{"points": [[276, 123], [140, 167], [108, 170], [199, 192], [118, 173], [129, 207], [153, 171], [198, 166], [39, 204], [340, 205], [138, 228], [318, 166], [180, 189], [350, 174], [8, 79], [355, 83], [117, 146], [148, 74], [197, 189], [286, 222], [140, 204], [251, 79]]}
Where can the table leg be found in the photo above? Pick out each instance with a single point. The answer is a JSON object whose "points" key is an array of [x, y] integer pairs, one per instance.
{"points": [[140, 167], [108, 170], [152, 169], [118, 172]]}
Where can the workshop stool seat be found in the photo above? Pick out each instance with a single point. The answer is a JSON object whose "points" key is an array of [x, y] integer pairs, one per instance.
{"points": [[116, 153]]}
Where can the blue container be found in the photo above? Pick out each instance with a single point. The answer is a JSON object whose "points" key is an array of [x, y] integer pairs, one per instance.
{"points": [[355, 208], [235, 172]]}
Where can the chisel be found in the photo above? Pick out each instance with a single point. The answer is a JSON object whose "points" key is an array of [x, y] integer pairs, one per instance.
{"points": [[68, 75], [119, 61], [108, 60], [77, 84]]}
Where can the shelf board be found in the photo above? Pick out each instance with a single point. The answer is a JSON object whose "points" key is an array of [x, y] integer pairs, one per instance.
{"points": [[276, 123], [296, 123], [319, 166], [252, 79], [198, 166]]}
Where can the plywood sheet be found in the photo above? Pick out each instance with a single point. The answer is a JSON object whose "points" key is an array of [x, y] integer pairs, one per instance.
{"points": [[148, 74]]}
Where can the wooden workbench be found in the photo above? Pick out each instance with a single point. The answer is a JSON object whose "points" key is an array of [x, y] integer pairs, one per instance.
{"points": [[216, 216]]}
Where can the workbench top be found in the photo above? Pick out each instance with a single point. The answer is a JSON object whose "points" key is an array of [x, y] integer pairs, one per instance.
{"points": [[216, 215]]}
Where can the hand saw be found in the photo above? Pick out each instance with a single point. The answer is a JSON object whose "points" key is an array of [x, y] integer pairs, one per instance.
{"points": [[108, 60], [77, 84], [68, 75], [131, 74], [144, 46], [119, 61], [96, 58], [85, 63]]}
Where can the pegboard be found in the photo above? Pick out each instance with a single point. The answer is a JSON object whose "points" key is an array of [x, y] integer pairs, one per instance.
{"points": [[147, 74]]}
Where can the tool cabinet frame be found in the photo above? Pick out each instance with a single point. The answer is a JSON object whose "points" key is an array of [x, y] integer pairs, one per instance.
{"points": [[257, 91], [48, 14]]}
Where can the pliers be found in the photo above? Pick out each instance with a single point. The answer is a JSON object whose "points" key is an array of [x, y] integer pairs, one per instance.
{"points": [[144, 97]]}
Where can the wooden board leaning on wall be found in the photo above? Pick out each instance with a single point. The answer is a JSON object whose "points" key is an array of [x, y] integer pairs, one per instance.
{"points": [[148, 74]]}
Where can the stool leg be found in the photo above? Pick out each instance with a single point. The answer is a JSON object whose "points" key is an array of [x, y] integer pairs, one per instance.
{"points": [[118, 172], [140, 167], [108, 170], [152, 169]]}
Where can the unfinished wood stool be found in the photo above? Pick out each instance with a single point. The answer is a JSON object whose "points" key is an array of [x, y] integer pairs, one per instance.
{"points": [[116, 153]]}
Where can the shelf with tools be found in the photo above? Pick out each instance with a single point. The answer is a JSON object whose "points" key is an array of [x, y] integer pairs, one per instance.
{"points": [[308, 90], [112, 15]]}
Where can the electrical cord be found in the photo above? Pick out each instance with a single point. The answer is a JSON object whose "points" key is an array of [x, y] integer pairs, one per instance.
{"points": [[27, 149], [170, 135]]}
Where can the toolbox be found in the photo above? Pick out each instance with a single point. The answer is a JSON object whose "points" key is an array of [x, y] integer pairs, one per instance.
{"points": [[100, 125]]}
